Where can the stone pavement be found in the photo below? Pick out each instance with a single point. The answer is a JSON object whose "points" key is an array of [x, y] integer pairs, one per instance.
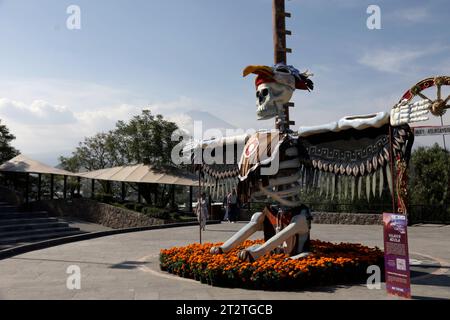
{"points": [[126, 266]]}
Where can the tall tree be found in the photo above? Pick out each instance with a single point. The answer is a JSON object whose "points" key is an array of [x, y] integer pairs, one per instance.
{"points": [[144, 139], [430, 176], [7, 151]]}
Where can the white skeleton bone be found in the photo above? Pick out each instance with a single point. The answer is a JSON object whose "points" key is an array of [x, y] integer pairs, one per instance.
{"points": [[405, 112], [270, 98]]}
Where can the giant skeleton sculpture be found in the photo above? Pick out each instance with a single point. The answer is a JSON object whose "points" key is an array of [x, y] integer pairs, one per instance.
{"points": [[355, 156]]}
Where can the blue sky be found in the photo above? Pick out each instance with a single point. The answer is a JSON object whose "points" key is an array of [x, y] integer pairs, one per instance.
{"points": [[182, 56]]}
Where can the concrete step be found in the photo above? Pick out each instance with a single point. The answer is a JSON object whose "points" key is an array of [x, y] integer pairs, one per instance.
{"points": [[6, 246], [8, 208], [40, 237], [19, 215], [8, 222], [31, 226], [20, 233]]}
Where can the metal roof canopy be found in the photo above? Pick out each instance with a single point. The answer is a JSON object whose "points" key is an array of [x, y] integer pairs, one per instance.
{"points": [[23, 164], [142, 174]]}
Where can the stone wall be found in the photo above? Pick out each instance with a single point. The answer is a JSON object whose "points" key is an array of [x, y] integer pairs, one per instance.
{"points": [[333, 218], [95, 212], [347, 218]]}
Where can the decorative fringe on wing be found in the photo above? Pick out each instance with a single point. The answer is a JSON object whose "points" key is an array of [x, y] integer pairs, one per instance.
{"points": [[353, 164]]}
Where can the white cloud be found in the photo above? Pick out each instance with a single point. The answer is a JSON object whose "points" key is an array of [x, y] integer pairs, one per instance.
{"points": [[38, 112], [51, 117], [410, 15], [398, 60]]}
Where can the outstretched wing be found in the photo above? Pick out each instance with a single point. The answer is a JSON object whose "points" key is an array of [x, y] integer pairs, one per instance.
{"points": [[352, 157], [217, 161]]}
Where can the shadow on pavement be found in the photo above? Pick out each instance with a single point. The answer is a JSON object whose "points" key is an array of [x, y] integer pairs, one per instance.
{"points": [[129, 265]]}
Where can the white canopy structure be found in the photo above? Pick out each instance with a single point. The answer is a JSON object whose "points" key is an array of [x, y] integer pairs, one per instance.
{"points": [[126, 174], [142, 174], [23, 164]]}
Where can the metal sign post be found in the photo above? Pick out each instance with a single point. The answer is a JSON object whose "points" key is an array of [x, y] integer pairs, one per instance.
{"points": [[199, 205]]}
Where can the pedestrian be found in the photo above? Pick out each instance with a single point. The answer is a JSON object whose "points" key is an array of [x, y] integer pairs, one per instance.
{"points": [[225, 206], [202, 211], [233, 206]]}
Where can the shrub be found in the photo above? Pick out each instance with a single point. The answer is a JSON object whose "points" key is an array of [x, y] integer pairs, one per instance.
{"points": [[157, 213], [129, 205], [104, 197], [138, 207]]}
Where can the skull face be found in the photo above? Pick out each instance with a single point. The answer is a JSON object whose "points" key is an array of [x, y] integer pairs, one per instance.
{"points": [[270, 99]]}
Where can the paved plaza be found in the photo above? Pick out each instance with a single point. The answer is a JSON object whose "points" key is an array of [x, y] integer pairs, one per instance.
{"points": [[126, 266]]}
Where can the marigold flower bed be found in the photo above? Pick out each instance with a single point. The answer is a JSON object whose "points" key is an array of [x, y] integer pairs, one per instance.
{"points": [[328, 264]]}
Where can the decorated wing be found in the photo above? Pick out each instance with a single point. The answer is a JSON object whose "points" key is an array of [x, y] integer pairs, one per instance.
{"points": [[353, 157], [217, 161]]}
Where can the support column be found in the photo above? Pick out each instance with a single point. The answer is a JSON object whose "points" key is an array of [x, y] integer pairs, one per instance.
{"points": [[27, 188], [93, 189], [123, 192], [79, 186], [191, 189], [172, 198], [52, 186], [39, 195], [65, 188], [139, 193]]}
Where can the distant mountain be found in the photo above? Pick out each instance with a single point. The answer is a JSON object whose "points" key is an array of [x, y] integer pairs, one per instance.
{"points": [[209, 121], [49, 158]]}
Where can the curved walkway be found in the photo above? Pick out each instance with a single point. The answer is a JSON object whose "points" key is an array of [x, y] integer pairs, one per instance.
{"points": [[126, 266]]}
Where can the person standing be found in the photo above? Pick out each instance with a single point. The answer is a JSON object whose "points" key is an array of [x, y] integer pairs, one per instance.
{"points": [[225, 206], [202, 211], [233, 206]]}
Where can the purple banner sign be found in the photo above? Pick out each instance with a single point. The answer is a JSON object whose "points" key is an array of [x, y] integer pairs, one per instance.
{"points": [[396, 256]]}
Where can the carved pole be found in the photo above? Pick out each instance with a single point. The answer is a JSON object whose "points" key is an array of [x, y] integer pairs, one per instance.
{"points": [[199, 205], [280, 51]]}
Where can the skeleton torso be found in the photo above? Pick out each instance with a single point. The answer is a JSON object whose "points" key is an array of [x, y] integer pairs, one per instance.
{"points": [[270, 169]]}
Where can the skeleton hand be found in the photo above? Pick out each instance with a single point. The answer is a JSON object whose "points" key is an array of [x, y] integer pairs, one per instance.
{"points": [[216, 250], [244, 255], [405, 112]]}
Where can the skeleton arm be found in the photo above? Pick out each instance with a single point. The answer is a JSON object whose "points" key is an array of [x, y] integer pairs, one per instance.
{"points": [[405, 112]]}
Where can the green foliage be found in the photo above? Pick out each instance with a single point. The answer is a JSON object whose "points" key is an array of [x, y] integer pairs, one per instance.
{"points": [[144, 139], [129, 205], [7, 152], [429, 194], [104, 197], [94, 153], [138, 207], [430, 176], [156, 213]]}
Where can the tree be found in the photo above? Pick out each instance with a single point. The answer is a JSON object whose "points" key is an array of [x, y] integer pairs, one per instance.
{"points": [[429, 188], [7, 151], [145, 139], [430, 176]]}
